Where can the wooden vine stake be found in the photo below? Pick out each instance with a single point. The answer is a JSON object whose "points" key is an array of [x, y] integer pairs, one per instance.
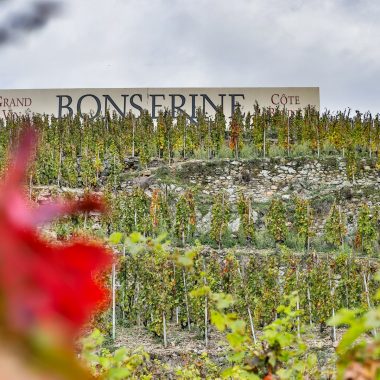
{"points": [[184, 138], [279, 284], [298, 309], [206, 303], [137, 294], [209, 139], [345, 285], [288, 135], [186, 299], [366, 289], [114, 171], [332, 296], [123, 288], [371, 126], [318, 142], [340, 222], [308, 227], [113, 301], [133, 136], [220, 230], [309, 302], [177, 307], [264, 139], [60, 166], [164, 329], [249, 311]]}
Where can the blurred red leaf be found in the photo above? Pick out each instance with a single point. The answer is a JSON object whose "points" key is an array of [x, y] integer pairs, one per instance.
{"points": [[42, 282]]}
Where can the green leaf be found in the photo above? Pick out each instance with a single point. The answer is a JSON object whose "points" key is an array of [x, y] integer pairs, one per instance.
{"points": [[120, 355], [228, 373], [135, 237], [161, 238], [115, 238], [218, 320], [200, 292], [350, 336], [105, 362], [343, 317], [272, 359], [184, 261], [312, 360], [236, 340], [238, 326], [223, 301], [284, 339], [119, 373], [237, 357]]}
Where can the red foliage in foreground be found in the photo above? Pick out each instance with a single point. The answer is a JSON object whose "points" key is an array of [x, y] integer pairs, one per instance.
{"points": [[41, 283]]}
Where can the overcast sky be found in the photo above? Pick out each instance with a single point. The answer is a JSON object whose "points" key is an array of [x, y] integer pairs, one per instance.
{"points": [[333, 44]]}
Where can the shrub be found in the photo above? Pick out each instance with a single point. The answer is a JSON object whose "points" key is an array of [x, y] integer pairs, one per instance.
{"points": [[276, 220]]}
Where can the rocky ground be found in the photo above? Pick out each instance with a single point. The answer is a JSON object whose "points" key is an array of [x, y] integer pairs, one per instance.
{"points": [[183, 344]]}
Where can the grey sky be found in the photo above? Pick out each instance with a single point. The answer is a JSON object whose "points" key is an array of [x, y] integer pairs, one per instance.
{"points": [[178, 43]]}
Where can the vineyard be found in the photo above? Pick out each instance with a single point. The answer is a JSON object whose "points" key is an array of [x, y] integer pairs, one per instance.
{"points": [[92, 152], [244, 230], [155, 286], [291, 224]]}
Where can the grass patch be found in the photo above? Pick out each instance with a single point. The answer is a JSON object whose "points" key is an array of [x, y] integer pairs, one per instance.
{"points": [[263, 240], [249, 152], [301, 150], [224, 152], [276, 151]]}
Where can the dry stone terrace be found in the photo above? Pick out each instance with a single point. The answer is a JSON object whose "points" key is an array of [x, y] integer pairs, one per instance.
{"points": [[264, 178], [320, 180]]}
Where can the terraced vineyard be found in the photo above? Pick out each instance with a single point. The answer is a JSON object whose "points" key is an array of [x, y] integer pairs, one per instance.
{"points": [[214, 226]]}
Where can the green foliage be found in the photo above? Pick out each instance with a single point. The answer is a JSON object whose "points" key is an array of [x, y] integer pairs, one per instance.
{"points": [[82, 152], [359, 349], [351, 164], [276, 220], [138, 365], [261, 278], [160, 212], [185, 217], [152, 284], [244, 207], [280, 351], [276, 151], [236, 129], [335, 229], [144, 146], [367, 229], [165, 136], [116, 238], [220, 216], [120, 364], [303, 220], [218, 130], [301, 150]]}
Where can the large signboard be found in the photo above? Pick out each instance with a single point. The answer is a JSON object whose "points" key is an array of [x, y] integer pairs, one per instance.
{"points": [[94, 102]]}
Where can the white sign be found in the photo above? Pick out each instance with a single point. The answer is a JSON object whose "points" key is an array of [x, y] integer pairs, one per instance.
{"points": [[94, 102]]}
